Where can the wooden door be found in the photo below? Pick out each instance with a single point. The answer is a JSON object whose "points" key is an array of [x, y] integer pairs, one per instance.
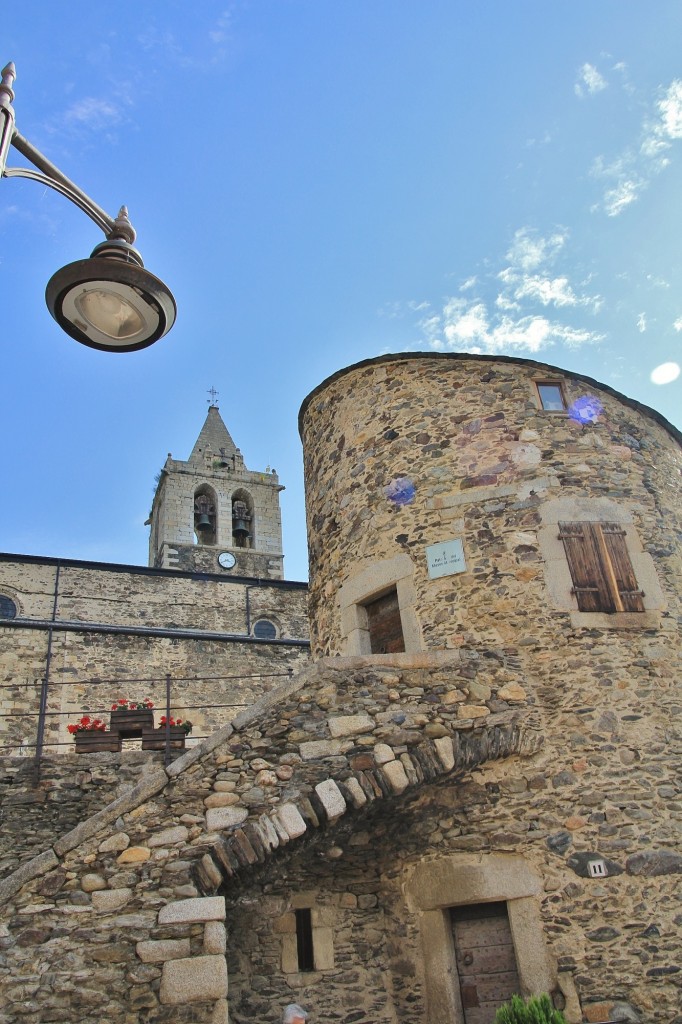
{"points": [[385, 627], [486, 963]]}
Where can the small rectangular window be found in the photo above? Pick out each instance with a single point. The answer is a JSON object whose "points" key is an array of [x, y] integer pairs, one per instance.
{"points": [[304, 939], [551, 395], [600, 567]]}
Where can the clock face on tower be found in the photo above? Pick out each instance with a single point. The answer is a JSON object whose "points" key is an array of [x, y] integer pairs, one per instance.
{"points": [[226, 560]]}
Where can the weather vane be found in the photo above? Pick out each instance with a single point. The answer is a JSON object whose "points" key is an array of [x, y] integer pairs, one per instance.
{"points": [[212, 401]]}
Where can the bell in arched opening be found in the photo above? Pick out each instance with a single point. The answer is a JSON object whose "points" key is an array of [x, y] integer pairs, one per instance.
{"points": [[204, 519], [241, 524]]}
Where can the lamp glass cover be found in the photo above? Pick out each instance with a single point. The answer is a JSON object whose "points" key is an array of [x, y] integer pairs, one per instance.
{"points": [[108, 312]]}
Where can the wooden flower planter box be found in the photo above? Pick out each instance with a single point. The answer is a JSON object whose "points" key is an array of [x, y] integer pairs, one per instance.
{"points": [[93, 742], [155, 739], [130, 724]]}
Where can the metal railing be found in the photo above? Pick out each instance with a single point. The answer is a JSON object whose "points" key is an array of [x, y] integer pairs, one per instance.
{"points": [[167, 705]]}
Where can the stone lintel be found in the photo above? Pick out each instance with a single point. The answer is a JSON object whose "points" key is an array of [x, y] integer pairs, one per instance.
{"points": [[196, 979], [192, 911]]}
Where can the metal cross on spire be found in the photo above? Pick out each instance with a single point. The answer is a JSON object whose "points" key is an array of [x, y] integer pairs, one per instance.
{"points": [[213, 400]]}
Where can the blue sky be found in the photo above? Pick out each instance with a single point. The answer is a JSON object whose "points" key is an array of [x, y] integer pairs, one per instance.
{"points": [[319, 182]]}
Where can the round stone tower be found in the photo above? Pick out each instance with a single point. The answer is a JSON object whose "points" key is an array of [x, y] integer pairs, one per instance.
{"points": [[503, 539], [464, 500]]}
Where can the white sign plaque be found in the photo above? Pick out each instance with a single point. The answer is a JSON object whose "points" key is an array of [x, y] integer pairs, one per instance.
{"points": [[446, 558]]}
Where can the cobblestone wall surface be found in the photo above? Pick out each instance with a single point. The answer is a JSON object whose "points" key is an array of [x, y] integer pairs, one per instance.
{"points": [[405, 452], [89, 670], [328, 795]]}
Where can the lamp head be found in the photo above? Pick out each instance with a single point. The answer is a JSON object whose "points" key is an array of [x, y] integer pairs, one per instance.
{"points": [[110, 302]]}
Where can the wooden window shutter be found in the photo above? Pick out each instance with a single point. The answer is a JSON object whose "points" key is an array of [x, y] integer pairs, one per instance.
{"points": [[625, 581], [582, 553], [600, 567]]}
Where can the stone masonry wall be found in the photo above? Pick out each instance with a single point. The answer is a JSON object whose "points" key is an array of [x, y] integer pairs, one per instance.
{"points": [[329, 794], [89, 670], [404, 452]]}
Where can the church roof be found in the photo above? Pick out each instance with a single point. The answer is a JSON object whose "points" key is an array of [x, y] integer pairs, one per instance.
{"points": [[214, 437]]}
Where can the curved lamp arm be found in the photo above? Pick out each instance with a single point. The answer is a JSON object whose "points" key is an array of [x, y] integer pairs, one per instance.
{"points": [[109, 301], [48, 173]]}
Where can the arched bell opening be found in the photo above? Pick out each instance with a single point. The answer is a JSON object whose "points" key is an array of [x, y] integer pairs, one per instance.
{"points": [[205, 515], [243, 535]]}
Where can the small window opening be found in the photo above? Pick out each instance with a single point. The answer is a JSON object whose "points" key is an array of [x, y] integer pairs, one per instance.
{"points": [[8, 609], [304, 939], [551, 396], [265, 630]]}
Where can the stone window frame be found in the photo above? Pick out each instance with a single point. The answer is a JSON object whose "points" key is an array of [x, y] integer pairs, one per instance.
{"points": [[558, 579], [434, 886], [321, 919], [271, 622], [555, 383], [374, 581]]}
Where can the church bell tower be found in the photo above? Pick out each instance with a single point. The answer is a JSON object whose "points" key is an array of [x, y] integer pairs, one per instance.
{"points": [[212, 514]]}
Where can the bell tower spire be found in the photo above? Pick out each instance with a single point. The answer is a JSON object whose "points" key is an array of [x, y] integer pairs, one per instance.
{"points": [[212, 514]]}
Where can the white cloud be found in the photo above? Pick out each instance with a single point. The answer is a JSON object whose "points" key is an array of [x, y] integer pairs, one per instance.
{"points": [[670, 107], [641, 323], [93, 113], [221, 30], [556, 291], [524, 280], [466, 327], [512, 321], [639, 164], [666, 373], [470, 283], [678, 324], [589, 81], [626, 192], [529, 250]]}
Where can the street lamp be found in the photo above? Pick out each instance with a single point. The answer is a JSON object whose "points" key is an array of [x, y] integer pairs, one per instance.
{"points": [[109, 301]]}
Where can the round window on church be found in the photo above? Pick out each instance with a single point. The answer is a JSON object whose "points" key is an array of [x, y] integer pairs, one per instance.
{"points": [[8, 609], [263, 629]]}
